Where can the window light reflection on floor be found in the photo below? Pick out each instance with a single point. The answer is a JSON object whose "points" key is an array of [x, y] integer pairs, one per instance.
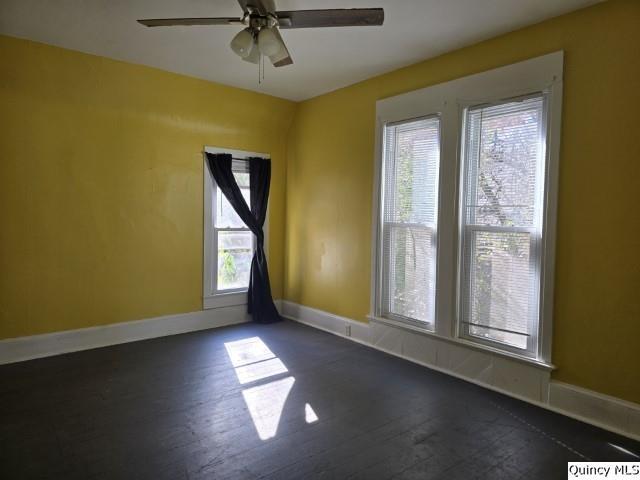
{"points": [[265, 403], [254, 361], [248, 350], [309, 415], [258, 371], [624, 450]]}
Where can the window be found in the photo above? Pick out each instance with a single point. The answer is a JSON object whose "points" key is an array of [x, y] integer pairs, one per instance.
{"points": [[228, 243], [233, 241], [465, 206], [411, 159], [501, 212]]}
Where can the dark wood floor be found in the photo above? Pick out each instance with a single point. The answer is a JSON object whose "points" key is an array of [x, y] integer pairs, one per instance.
{"points": [[175, 408]]}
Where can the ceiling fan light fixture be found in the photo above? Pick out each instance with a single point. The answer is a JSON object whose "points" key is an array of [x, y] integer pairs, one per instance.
{"points": [[243, 43], [254, 54], [269, 43]]}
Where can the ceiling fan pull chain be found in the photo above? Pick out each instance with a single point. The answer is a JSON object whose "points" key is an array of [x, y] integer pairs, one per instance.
{"points": [[261, 69]]}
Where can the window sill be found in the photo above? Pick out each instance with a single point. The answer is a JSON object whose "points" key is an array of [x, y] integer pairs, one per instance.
{"points": [[464, 343], [224, 300]]}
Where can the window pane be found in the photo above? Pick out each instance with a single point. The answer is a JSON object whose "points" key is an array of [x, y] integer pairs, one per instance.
{"points": [[503, 148], [411, 272], [411, 171], [226, 217], [410, 191], [242, 179], [504, 153], [235, 250], [502, 286]]}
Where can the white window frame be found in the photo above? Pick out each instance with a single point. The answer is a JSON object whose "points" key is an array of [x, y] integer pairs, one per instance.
{"points": [[382, 278], [211, 297], [450, 100], [535, 233]]}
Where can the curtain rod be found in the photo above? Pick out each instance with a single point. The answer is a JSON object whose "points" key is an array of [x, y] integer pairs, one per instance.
{"points": [[234, 158]]}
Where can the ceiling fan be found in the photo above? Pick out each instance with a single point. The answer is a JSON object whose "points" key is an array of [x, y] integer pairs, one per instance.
{"points": [[261, 35]]}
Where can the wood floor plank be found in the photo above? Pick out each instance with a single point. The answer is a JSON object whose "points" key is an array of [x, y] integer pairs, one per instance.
{"points": [[176, 408]]}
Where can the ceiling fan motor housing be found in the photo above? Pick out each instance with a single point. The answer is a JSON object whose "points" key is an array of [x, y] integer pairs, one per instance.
{"points": [[257, 21]]}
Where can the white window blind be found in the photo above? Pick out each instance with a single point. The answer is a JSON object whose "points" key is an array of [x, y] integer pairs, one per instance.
{"points": [[409, 219], [501, 217]]}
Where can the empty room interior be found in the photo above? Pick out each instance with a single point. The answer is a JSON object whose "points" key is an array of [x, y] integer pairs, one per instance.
{"points": [[300, 239]]}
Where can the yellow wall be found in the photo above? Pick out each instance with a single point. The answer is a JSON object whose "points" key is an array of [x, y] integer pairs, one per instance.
{"points": [[597, 308], [101, 185]]}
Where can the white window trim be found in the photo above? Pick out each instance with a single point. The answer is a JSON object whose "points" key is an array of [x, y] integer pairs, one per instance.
{"points": [[533, 342], [210, 298], [428, 325], [449, 100]]}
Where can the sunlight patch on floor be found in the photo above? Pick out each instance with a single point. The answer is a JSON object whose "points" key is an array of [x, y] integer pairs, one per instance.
{"points": [[258, 371], [309, 415], [624, 450], [265, 403], [248, 350], [253, 361]]}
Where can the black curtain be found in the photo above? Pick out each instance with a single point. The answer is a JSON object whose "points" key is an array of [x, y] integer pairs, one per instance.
{"points": [[260, 303]]}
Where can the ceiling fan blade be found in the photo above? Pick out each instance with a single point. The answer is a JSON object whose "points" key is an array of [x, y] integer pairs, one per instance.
{"points": [[261, 6], [284, 57], [283, 63], [177, 22], [337, 17], [269, 5]]}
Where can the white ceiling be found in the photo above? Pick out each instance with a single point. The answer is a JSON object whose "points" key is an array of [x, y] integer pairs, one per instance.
{"points": [[325, 59]]}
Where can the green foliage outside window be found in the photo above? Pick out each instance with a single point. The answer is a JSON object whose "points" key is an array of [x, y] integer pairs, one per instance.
{"points": [[228, 271]]}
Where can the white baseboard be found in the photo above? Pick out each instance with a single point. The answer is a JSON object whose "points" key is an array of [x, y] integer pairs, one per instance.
{"points": [[37, 346], [601, 410], [344, 327], [516, 379]]}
